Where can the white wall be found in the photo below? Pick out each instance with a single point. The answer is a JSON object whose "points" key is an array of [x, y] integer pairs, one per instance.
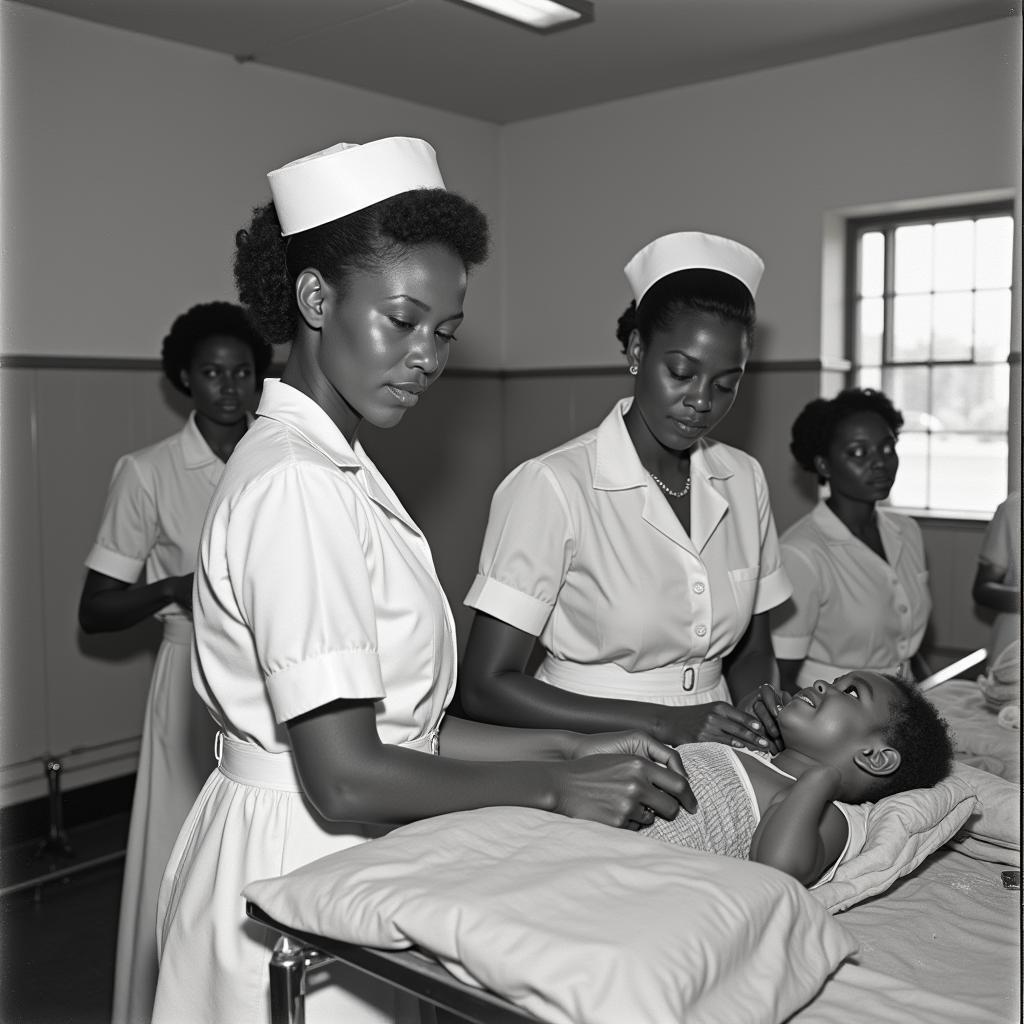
{"points": [[129, 163], [761, 157]]}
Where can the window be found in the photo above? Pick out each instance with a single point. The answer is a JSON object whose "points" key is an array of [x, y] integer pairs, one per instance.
{"points": [[929, 324]]}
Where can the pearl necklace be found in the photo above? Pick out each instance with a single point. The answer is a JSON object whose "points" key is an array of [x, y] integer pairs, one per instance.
{"points": [[672, 494]]}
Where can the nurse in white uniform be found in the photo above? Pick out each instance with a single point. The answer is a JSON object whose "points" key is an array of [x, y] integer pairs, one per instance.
{"points": [[642, 554], [150, 529], [860, 582], [324, 645]]}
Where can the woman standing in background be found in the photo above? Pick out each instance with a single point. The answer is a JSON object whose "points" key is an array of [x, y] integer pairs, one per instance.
{"points": [[997, 577], [860, 583], [141, 565], [642, 554]]}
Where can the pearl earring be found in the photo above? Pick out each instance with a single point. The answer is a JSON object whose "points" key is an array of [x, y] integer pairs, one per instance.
{"points": [[633, 370]]}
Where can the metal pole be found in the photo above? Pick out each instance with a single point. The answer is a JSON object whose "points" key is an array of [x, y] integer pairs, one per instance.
{"points": [[288, 967], [57, 842]]}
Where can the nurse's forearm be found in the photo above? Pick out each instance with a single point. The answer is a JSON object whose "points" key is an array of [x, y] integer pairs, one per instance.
{"points": [[107, 605], [350, 775], [514, 698], [789, 670], [479, 741], [752, 661]]}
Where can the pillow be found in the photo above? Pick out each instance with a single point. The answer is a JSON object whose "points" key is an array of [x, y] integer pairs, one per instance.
{"points": [[574, 921], [890, 838], [992, 833]]}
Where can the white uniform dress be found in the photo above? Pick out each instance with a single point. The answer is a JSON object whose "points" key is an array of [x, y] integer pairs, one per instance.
{"points": [[850, 608], [583, 550], [154, 512], [313, 585], [1001, 547]]}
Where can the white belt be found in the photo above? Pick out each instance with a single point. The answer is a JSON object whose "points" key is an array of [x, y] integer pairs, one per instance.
{"points": [[606, 680], [253, 766], [177, 630]]}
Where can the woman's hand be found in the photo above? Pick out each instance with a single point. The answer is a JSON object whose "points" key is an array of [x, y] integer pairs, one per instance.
{"points": [[765, 703], [180, 589], [632, 741], [628, 741], [715, 722], [625, 791]]}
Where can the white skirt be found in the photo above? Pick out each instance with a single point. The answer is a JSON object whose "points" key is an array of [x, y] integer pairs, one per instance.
{"points": [[251, 821], [175, 758]]}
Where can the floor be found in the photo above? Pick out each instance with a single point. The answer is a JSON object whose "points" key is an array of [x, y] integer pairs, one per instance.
{"points": [[58, 925]]}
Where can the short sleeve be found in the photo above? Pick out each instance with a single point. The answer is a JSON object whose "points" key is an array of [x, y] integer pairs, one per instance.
{"points": [[128, 530], [527, 550], [297, 556], [795, 621], [773, 585]]}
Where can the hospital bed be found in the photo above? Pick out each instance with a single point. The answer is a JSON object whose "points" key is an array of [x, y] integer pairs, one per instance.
{"points": [[939, 944]]}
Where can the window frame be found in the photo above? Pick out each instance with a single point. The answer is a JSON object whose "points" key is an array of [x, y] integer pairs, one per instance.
{"points": [[886, 222]]}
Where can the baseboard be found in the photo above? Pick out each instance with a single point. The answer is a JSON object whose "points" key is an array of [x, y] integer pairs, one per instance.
{"points": [[31, 819]]}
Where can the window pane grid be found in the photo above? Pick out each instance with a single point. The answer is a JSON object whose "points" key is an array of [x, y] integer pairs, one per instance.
{"points": [[929, 324]]}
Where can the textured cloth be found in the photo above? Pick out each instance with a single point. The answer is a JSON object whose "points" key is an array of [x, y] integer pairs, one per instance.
{"points": [[154, 511], [851, 609], [727, 813], [583, 551]]}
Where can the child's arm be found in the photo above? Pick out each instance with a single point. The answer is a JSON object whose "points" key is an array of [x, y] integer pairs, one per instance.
{"points": [[801, 832]]}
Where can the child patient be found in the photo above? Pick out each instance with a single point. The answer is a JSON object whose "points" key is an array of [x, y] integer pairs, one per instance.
{"points": [[863, 737]]}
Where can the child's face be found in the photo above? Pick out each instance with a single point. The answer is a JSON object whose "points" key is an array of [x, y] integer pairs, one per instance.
{"points": [[831, 721]]}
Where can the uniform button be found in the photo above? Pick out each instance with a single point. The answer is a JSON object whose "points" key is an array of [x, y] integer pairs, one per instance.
{"points": [[701, 630], [698, 587]]}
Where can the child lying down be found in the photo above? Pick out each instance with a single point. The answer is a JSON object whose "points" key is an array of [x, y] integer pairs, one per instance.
{"points": [[861, 738]]}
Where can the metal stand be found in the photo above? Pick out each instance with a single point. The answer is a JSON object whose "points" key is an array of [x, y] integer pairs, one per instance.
{"points": [[57, 842], [288, 968]]}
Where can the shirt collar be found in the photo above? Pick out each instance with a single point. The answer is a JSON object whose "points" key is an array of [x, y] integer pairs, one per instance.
{"points": [[618, 467], [298, 412], [288, 405], [195, 452], [836, 531]]}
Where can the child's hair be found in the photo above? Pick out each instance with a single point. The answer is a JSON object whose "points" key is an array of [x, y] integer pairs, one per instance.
{"points": [[921, 735], [207, 320]]}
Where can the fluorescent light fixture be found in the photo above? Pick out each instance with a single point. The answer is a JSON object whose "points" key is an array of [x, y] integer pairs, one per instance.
{"points": [[539, 15]]}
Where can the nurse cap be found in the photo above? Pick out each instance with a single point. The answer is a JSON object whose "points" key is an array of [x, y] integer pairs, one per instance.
{"points": [[335, 182], [692, 250]]}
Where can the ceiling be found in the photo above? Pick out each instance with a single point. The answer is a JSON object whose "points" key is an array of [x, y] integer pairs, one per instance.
{"points": [[449, 56]]}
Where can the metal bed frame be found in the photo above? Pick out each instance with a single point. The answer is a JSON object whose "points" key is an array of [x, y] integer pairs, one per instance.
{"points": [[296, 953]]}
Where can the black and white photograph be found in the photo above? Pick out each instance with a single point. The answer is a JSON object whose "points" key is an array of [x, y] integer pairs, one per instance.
{"points": [[510, 511]]}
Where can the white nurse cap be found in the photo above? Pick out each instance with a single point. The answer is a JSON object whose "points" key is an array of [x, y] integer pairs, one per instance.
{"points": [[324, 186], [692, 250]]}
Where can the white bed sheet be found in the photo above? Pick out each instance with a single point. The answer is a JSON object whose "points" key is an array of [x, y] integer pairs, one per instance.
{"points": [[979, 739], [942, 946]]}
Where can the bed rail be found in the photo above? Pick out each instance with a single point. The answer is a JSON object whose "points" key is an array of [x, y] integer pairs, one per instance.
{"points": [[297, 952]]}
